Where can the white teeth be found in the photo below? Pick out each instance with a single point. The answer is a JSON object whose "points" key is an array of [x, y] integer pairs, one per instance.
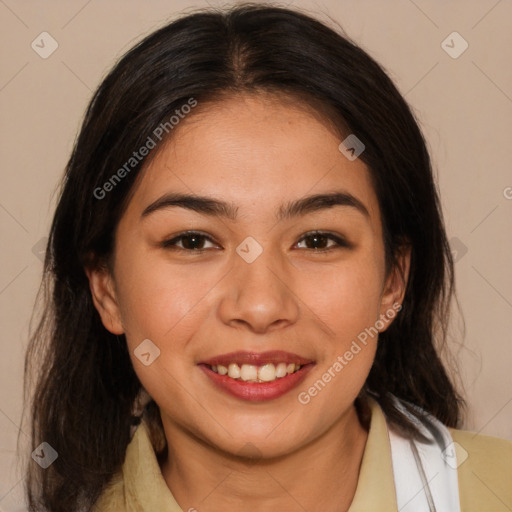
{"points": [[267, 372], [281, 370], [234, 371], [248, 372], [252, 373]]}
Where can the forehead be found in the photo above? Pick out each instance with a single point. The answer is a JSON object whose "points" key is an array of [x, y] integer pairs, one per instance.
{"points": [[257, 152]]}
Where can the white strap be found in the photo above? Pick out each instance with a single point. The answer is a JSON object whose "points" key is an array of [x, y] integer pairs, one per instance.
{"points": [[425, 474]]}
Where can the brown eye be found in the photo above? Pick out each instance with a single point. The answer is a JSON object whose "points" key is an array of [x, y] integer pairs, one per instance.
{"points": [[317, 241], [190, 241]]}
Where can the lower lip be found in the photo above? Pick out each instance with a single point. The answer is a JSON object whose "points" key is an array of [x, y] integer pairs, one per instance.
{"points": [[257, 391]]}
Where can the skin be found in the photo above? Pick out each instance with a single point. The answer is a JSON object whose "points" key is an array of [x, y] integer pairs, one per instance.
{"points": [[258, 153]]}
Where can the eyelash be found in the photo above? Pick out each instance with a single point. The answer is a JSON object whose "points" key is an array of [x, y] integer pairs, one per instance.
{"points": [[170, 244]]}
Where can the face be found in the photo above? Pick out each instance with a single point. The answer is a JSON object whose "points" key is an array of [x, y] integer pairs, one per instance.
{"points": [[271, 273]]}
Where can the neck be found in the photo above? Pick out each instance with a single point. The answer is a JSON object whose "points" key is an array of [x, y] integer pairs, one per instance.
{"points": [[321, 475]]}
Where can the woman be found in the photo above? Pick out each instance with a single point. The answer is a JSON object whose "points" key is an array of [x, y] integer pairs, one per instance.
{"points": [[249, 280]]}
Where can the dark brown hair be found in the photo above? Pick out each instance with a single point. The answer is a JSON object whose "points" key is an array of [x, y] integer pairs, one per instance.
{"points": [[85, 382]]}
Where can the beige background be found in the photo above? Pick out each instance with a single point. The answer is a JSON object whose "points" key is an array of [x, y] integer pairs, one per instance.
{"points": [[464, 106]]}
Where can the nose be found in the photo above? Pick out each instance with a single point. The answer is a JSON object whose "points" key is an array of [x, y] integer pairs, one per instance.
{"points": [[259, 296]]}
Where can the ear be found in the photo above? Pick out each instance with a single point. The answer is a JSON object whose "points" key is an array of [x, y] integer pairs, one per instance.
{"points": [[394, 288], [104, 298]]}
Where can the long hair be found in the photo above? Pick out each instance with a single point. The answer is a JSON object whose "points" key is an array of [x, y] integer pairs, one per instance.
{"points": [[85, 385]]}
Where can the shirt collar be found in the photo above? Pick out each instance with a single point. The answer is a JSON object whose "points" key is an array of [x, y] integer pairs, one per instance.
{"points": [[144, 486], [376, 487]]}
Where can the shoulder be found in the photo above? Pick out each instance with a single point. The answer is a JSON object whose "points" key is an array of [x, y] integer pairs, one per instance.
{"points": [[484, 452], [484, 471], [112, 497], [139, 484]]}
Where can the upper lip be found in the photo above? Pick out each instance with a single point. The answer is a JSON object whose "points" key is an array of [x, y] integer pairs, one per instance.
{"points": [[257, 359]]}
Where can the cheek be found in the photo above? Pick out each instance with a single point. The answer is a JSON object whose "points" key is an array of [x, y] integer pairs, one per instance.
{"points": [[159, 301], [164, 304], [347, 301], [345, 296]]}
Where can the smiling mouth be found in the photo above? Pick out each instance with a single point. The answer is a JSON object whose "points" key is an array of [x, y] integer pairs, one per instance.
{"points": [[256, 374]]}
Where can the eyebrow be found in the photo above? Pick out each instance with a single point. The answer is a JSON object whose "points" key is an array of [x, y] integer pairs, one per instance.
{"points": [[218, 208]]}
